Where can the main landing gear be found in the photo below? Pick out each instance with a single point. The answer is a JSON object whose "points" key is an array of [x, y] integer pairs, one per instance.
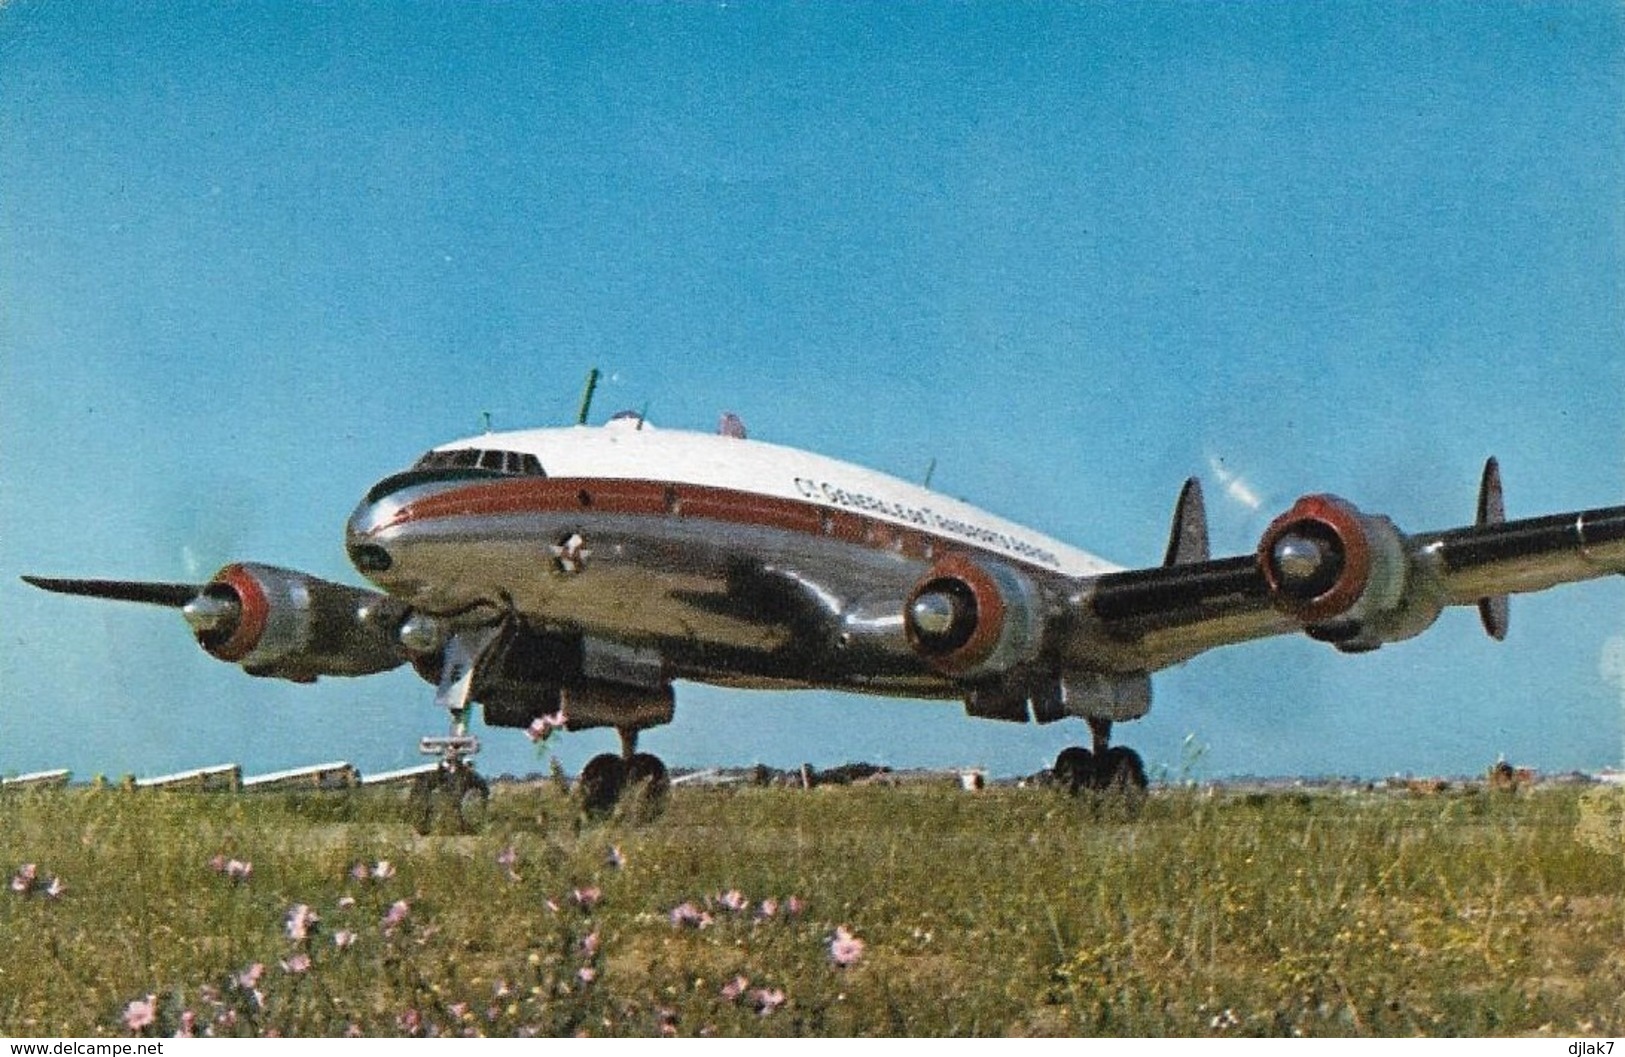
{"points": [[608, 778], [1108, 768]]}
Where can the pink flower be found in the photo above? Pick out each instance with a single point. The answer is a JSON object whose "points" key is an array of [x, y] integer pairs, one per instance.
{"points": [[766, 1001], [343, 938], [542, 727], [360, 872], [298, 963], [586, 898], [249, 978], [301, 922], [238, 870], [410, 1021], [586, 974], [734, 988], [23, 881], [55, 888], [396, 915], [768, 909], [383, 870], [733, 900], [346, 902], [794, 906], [844, 948], [188, 1025], [589, 945], [690, 915], [139, 1014]]}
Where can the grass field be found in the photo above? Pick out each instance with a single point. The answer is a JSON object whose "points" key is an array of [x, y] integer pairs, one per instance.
{"points": [[841, 911]]}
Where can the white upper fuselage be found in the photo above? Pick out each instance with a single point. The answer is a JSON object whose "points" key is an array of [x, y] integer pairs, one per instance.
{"points": [[624, 450]]}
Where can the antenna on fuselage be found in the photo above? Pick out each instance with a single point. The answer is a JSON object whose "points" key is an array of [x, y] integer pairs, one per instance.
{"points": [[586, 396], [929, 470], [643, 416], [487, 416]]}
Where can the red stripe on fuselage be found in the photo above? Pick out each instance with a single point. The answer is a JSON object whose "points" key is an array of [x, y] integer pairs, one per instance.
{"points": [[588, 496]]}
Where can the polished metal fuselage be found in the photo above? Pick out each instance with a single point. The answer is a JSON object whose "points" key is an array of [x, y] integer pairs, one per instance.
{"points": [[730, 584]]}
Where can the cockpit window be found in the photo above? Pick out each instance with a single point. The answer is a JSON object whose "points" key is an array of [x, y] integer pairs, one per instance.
{"points": [[511, 462]]}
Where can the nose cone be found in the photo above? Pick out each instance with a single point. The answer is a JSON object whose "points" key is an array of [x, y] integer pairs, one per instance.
{"points": [[367, 553]]}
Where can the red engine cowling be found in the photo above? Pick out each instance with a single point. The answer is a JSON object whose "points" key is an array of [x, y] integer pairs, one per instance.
{"points": [[1346, 575], [970, 620], [288, 625]]}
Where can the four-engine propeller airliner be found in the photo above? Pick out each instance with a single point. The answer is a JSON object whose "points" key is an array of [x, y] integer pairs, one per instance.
{"points": [[569, 576]]}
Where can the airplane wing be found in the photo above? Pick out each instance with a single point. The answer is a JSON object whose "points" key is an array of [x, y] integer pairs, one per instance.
{"points": [[1345, 577]]}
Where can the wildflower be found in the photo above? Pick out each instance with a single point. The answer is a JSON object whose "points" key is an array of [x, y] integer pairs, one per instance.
{"points": [[188, 1028], [139, 1014], [766, 1001], [508, 858], [396, 915], [344, 938], [586, 898], [249, 978], [383, 870], [298, 963], [552, 907], [301, 922], [690, 915], [586, 974], [844, 948], [666, 1017], [1224, 1021], [733, 900], [346, 902], [767, 910], [589, 945], [218, 864], [23, 881], [458, 1010], [55, 888], [734, 988], [794, 906], [542, 727], [238, 870], [360, 872], [613, 858], [410, 1021]]}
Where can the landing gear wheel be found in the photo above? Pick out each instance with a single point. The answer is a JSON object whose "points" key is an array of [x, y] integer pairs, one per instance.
{"points": [[1121, 771], [451, 798], [1075, 768], [600, 783], [646, 779]]}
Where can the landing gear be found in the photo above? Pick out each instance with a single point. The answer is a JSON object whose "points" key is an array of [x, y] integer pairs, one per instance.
{"points": [[1108, 769], [608, 778], [451, 798]]}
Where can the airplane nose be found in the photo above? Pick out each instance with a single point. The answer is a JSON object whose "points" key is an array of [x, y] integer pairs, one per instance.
{"points": [[366, 554]]}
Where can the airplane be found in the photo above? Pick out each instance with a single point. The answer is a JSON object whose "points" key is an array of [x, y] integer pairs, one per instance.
{"points": [[569, 576]]}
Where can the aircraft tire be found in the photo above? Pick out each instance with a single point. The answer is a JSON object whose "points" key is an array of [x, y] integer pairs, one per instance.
{"points": [[649, 770], [1074, 768], [599, 785], [1122, 771]]}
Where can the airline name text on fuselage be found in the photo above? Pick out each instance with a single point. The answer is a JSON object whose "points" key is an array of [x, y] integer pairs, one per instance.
{"points": [[925, 518]]}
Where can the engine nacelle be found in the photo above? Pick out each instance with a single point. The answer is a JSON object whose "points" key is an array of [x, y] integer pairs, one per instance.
{"points": [[970, 620], [1348, 576], [288, 625]]}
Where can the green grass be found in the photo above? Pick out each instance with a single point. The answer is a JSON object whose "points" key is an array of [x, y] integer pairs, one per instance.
{"points": [[1010, 911]]}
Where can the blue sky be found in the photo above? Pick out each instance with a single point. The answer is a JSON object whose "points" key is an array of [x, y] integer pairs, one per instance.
{"points": [[253, 257]]}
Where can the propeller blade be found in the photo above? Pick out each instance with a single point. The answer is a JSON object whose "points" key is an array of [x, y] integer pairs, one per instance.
{"points": [[174, 596], [1493, 612]]}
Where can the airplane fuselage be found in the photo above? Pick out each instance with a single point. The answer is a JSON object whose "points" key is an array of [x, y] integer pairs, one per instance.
{"points": [[735, 562]]}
